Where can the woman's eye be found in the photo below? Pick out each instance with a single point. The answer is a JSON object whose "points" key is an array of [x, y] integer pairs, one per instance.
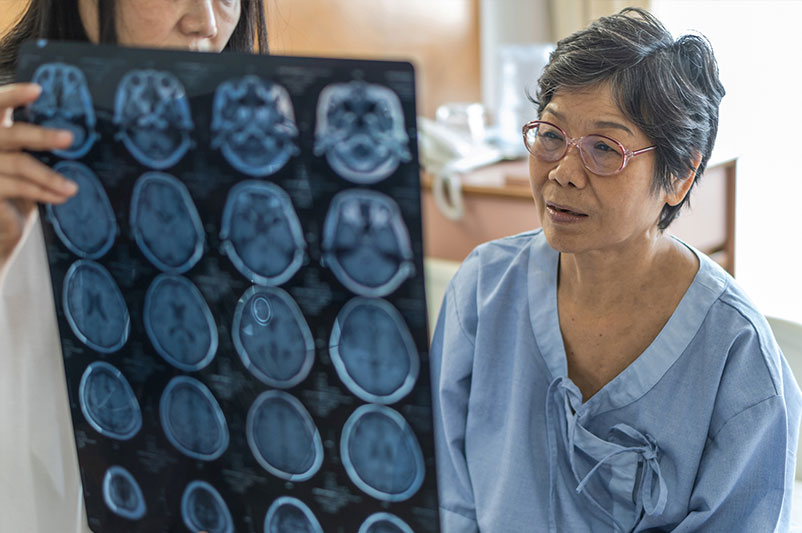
{"points": [[605, 148]]}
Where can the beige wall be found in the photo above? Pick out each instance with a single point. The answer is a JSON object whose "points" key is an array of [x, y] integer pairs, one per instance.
{"points": [[568, 16]]}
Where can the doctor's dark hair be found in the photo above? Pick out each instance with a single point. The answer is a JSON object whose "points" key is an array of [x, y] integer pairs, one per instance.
{"points": [[669, 88], [60, 20]]}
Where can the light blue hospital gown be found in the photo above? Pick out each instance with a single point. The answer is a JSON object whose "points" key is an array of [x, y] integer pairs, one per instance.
{"points": [[698, 434]]}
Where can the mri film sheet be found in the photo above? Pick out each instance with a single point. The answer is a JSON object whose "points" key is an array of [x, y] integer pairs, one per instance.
{"points": [[239, 289]]}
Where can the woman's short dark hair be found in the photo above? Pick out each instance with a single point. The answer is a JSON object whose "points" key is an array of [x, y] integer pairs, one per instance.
{"points": [[60, 20], [669, 88]]}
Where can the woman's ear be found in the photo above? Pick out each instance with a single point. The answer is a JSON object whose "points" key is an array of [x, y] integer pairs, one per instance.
{"points": [[681, 185]]}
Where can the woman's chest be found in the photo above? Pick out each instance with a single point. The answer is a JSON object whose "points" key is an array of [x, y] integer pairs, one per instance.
{"points": [[597, 349]]}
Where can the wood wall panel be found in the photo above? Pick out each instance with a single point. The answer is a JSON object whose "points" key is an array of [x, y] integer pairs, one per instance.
{"points": [[10, 10], [441, 37]]}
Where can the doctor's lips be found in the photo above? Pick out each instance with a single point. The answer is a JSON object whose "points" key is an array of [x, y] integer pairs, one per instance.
{"points": [[557, 209]]}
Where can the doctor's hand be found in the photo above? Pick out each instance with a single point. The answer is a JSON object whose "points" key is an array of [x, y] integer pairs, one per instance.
{"points": [[24, 180]]}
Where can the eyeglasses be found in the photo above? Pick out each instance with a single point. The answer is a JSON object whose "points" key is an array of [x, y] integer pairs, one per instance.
{"points": [[600, 154]]}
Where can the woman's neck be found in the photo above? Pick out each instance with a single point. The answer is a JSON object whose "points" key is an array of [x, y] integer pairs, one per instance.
{"points": [[599, 280]]}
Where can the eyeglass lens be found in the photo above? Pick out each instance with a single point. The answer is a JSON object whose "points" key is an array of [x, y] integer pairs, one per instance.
{"points": [[599, 154]]}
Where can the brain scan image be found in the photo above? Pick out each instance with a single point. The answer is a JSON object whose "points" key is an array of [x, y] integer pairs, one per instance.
{"points": [[261, 233], [192, 419], [384, 523], [203, 509], [366, 243], [151, 112], [65, 103], [283, 437], [290, 515], [85, 223], [360, 129], [108, 402], [272, 337], [94, 307], [254, 125], [373, 351], [165, 223], [179, 323], [381, 454], [122, 494]]}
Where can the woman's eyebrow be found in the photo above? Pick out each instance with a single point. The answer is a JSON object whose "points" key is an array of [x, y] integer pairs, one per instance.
{"points": [[596, 124], [609, 124]]}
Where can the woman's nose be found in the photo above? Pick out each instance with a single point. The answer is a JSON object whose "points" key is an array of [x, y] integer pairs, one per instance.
{"points": [[570, 170], [200, 19]]}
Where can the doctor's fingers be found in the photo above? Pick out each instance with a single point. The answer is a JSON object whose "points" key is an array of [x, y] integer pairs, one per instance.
{"points": [[16, 95], [22, 176], [23, 136]]}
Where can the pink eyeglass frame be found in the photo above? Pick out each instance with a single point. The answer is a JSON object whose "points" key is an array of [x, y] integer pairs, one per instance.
{"points": [[628, 154]]}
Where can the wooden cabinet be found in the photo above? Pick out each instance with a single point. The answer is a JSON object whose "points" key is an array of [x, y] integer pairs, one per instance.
{"points": [[498, 202]]}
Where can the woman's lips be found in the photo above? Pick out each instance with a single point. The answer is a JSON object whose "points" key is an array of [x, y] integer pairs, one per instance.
{"points": [[564, 214]]}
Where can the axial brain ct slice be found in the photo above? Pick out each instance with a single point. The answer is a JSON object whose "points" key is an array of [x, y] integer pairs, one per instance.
{"points": [[381, 454], [366, 243], [85, 223], [179, 323], [65, 103], [360, 129], [272, 337], [261, 233], [165, 223], [122, 494], [253, 125], [203, 509], [151, 112], [290, 515], [192, 419], [373, 351], [384, 523], [94, 307], [108, 403], [283, 437]]}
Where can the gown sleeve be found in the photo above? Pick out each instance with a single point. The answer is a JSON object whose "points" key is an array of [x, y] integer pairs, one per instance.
{"points": [[746, 474], [451, 364]]}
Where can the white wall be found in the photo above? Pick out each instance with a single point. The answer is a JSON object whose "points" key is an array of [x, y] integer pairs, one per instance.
{"points": [[757, 44]]}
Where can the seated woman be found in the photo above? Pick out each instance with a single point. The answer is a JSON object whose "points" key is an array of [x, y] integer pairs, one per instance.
{"points": [[598, 374]]}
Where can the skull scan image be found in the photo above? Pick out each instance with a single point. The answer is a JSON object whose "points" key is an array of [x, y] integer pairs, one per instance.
{"points": [[192, 419], [85, 223], [290, 515], [108, 402], [366, 243], [179, 323], [373, 351], [261, 233], [381, 454], [253, 124], [165, 223], [360, 129], [151, 112], [94, 307], [384, 523], [65, 103], [122, 494], [272, 337], [203, 509], [283, 437]]}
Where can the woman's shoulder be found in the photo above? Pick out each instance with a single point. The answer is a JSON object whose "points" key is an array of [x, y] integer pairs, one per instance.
{"points": [[747, 345], [496, 256]]}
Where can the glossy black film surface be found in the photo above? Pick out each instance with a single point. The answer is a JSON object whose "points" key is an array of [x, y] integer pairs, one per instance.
{"points": [[239, 289]]}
